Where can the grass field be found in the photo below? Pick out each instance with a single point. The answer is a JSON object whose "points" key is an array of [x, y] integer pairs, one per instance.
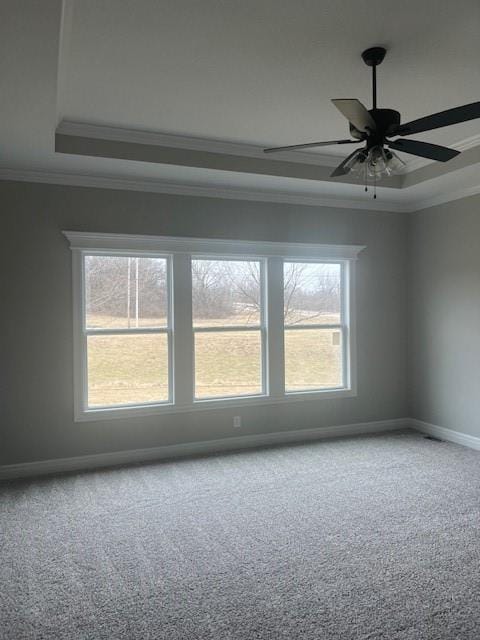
{"points": [[134, 368]]}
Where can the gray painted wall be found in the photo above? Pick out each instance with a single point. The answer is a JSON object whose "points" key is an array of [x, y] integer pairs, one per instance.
{"points": [[445, 315], [36, 335]]}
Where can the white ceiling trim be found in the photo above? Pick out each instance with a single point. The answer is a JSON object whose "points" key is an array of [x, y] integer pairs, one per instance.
{"points": [[120, 134], [258, 195], [443, 198], [468, 143], [66, 22], [158, 186], [137, 136]]}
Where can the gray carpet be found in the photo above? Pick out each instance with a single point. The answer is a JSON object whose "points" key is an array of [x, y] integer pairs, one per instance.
{"points": [[362, 538]]}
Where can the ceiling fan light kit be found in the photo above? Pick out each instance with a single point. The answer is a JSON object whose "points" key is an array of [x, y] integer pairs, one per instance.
{"points": [[374, 127], [376, 162]]}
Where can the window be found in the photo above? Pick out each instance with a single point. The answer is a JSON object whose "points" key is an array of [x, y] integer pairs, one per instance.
{"points": [[127, 330], [313, 318], [228, 324], [175, 324]]}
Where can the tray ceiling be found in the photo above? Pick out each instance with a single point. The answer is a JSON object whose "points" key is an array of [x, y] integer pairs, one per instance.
{"points": [[249, 74]]}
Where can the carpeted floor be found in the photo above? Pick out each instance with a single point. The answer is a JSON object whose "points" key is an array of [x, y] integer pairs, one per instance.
{"points": [[360, 538]]}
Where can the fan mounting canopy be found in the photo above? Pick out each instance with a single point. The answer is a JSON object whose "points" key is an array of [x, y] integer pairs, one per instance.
{"points": [[374, 56]]}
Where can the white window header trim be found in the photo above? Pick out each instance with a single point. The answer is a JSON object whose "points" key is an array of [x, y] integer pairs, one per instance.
{"points": [[106, 242]]}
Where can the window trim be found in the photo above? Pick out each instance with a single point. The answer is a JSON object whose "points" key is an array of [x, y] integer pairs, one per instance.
{"points": [[181, 251], [85, 332]]}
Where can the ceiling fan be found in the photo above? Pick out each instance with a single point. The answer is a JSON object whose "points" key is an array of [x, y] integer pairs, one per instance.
{"points": [[376, 126]]}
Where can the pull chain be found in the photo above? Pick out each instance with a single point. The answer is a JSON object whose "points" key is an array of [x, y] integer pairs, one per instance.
{"points": [[374, 183]]}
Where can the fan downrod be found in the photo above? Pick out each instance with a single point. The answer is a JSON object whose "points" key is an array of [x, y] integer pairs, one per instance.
{"points": [[374, 56]]}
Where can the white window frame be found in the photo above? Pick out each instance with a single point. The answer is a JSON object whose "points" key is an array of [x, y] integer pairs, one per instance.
{"points": [[83, 332], [181, 334]]}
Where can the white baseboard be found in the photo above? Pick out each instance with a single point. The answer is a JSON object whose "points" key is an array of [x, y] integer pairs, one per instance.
{"points": [[97, 461], [445, 434]]}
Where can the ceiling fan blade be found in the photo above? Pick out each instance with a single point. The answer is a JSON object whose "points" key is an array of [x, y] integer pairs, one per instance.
{"points": [[356, 113], [340, 170], [441, 119], [424, 149], [309, 145]]}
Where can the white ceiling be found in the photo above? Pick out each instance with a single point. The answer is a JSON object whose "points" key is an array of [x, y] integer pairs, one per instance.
{"points": [[264, 71], [257, 72]]}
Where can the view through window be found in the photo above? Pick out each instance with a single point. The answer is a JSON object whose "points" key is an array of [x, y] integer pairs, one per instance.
{"points": [[313, 325], [228, 311], [127, 330]]}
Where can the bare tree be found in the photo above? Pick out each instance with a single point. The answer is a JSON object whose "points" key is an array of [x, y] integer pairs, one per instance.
{"points": [[211, 298], [224, 288], [309, 293], [221, 288], [244, 281], [114, 284]]}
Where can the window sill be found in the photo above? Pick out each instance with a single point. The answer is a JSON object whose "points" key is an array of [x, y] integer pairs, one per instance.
{"points": [[97, 415]]}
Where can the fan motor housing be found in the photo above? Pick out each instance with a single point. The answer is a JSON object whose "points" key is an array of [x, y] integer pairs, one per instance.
{"points": [[384, 119]]}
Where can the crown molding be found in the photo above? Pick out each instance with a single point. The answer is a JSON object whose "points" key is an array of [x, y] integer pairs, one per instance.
{"points": [[409, 205], [467, 143], [65, 32], [158, 186], [443, 198], [173, 141], [139, 136]]}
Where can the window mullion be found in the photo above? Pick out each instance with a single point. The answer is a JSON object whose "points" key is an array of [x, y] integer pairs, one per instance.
{"points": [[299, 327], [275, 333], [349, 323], [227, 328], [126, 331], [182, 330], [80, 336]]}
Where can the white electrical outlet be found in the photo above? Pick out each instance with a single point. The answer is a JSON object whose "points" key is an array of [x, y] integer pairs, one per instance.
{"points": [[237, 422]]}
